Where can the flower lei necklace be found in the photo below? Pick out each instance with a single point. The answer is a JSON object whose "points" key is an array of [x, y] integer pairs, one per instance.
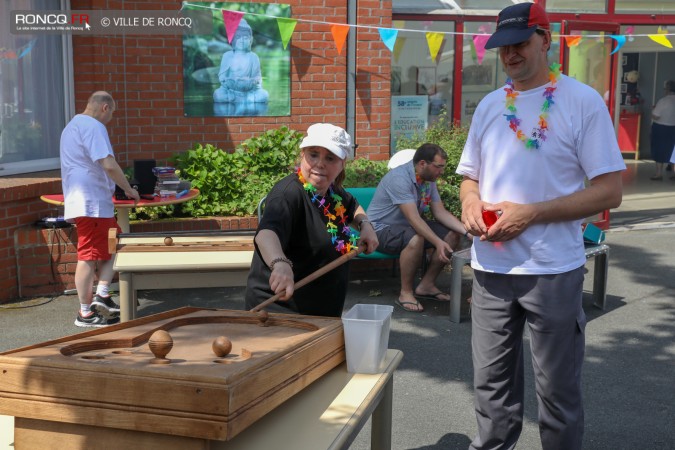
{"points": [[425, 194], [538, 133], [341, 235]]}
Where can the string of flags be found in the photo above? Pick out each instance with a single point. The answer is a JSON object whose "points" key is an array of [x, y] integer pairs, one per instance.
{"points": [[389, 36], [18, 53]]}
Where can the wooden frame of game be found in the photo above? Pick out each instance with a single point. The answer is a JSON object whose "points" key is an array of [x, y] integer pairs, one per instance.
{"points": [[112, 378]]}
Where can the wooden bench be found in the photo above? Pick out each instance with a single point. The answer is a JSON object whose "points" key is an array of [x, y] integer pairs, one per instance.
{"points": [[461, 258]]}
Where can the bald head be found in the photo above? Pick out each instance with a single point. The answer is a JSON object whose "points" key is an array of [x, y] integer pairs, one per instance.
{"points": [[100, 106]]}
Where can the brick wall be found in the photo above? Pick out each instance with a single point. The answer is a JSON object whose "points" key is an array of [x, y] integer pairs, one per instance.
{"points": [[145, 76]]}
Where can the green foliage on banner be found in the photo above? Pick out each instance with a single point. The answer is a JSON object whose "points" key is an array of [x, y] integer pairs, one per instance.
{"points": [[452, 139]]}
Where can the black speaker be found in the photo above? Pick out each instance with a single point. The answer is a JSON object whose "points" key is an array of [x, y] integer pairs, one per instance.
{"points": [[143, 174]]}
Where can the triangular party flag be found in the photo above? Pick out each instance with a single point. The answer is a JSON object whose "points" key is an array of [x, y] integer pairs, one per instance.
{"points": [[339, 36], [620, 40], [398, 48], [629, 32], [388, 36], [26, 49], [572, 40], [479, 41], [434, 40], [231, 20], [286, 27], [661, 39]]}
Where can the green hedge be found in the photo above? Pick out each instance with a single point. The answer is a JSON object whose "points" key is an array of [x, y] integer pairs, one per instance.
{"points": [[232, 184]]}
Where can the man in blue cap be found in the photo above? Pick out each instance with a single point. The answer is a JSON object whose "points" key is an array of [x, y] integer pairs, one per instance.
{"points": [[531, 146]]}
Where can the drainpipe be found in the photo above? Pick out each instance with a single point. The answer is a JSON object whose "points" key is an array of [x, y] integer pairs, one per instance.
{"points": [[351, 72]]}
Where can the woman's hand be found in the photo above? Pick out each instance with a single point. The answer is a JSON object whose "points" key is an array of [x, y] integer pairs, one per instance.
{"points": [[282, 279], [368, 240]]}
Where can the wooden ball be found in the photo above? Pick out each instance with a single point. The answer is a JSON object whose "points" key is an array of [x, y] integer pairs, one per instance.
{"points": [[221, 346], [160, 343], [168, 241], [263, 316]]}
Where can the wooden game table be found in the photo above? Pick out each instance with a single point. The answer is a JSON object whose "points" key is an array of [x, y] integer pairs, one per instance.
{"points": [[123, 206], [283, 386], [193, 260]]}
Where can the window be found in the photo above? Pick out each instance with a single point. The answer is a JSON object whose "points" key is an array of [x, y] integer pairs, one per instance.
{"points": [[33, 106], [421, 87]]}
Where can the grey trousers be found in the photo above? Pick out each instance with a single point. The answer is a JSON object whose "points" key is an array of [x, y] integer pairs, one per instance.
{"points": [[551, 306]]}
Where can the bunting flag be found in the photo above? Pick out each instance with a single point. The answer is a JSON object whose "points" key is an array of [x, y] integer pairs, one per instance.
{"points": [[572, 41], [388, 36], [26, 49], [286, 27], [620, 40], [231, 20], [479, 41], [661, 39], [629, 32], [398, 48], [339, 36], [434, 40], [394, 43]]}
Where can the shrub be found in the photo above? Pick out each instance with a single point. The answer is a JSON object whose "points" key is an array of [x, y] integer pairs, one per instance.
{"points": [[364, 172], [452, 139], [232, 184]]}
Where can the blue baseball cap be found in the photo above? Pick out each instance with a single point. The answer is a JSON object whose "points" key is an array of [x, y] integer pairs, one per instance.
{"points": [[517, 23]]}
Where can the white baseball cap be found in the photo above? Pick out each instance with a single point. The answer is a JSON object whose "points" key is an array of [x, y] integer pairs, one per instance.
{"points": [[332, 138]]}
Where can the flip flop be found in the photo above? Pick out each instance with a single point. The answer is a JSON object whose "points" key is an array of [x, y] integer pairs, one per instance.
{"points": [[401, 304], [435, 296]]}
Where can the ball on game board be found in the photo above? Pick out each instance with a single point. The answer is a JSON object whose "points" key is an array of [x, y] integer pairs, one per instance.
{"points": [[168, 241], [221, 346], [160, 343], [263, 316]]}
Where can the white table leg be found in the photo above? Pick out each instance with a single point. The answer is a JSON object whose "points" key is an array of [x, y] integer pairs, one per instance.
{"points": [[380, 436]]}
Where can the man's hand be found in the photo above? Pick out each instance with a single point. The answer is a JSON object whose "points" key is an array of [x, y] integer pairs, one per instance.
{"points": [[513, 220], [444, 251], [133, 194]]}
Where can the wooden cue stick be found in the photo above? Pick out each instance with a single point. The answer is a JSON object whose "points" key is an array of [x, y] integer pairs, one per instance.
{"points": [[311, 277]]}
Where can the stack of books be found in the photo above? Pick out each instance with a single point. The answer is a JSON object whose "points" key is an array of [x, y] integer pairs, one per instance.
{"points": [[168, 183]]}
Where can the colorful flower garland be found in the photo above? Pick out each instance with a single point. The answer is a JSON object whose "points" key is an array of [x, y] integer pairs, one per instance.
{"points": [[539, 132], [425, 194], [341, 234]]}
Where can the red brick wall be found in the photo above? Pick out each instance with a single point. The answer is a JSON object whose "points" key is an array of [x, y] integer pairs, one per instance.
{"points": [[145, 76]]}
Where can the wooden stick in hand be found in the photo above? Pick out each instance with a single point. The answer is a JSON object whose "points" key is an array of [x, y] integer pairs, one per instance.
{"points": [[311, 277]]}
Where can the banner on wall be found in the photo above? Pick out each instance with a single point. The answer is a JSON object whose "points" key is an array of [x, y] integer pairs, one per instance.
{"points": [[409, 116], [242, 68]]}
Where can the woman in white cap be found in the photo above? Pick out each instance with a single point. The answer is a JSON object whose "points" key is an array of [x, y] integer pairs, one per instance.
{"points": [[306, 226]]}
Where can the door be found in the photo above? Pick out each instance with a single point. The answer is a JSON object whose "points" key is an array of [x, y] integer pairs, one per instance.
{"points": [[591, 62]]}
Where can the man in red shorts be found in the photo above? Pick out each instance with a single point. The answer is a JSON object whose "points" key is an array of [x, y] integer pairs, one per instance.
{"points": [[89, 173]]}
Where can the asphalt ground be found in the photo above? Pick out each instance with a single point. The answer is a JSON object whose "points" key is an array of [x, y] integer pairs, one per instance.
{"points": [[628, 371]]}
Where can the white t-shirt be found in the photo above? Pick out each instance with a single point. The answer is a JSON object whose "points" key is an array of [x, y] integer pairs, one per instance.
{"points": [[87, 188], [580, 143], [664, 111]]}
